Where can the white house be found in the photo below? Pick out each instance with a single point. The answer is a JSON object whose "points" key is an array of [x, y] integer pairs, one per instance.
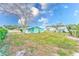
{"points": [[62, 29], [57, 28], [51, 28]]}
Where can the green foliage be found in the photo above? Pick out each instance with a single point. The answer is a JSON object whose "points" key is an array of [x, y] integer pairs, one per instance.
{"points": [[21, 30], [73, 29], [3, 33], [3, 46], [11, 27], [69, 28]]}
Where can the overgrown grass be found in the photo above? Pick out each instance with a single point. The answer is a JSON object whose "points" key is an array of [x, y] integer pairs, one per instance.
{"points": [[65, 45], [65, 52]]}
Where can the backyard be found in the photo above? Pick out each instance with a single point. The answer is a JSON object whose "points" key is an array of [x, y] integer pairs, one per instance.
{"points": [[39, 29], [35, 44]]}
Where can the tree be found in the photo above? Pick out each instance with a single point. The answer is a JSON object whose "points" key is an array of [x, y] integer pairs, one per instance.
{"points": [[22, 10], [69, 29]]}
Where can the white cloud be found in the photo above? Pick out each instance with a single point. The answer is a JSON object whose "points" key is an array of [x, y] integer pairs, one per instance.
{"points": [[44, 22], [51, 12], [35, 11], [43, 12], [75, 14], [65, 6], [76, 11], [43, 5]]}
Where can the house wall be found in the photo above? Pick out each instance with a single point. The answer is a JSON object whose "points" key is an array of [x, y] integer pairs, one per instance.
{"points": [[34, 30], [59, 29], [51, 29], [62, 29]]}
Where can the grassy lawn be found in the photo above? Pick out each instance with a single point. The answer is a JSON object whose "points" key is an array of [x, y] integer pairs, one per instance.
{"points": [[46, 43]]}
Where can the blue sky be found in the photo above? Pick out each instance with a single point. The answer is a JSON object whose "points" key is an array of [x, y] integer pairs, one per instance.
{"points": [[52, 14], [8, 19]]}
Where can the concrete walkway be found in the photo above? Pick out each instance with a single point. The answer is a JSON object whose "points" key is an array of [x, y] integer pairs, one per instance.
{"points": [[73, 38], [76, 54]]}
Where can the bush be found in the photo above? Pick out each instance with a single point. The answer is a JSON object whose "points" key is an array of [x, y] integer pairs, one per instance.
{"points": [[21, 30], [3, 33], [73, 30]]}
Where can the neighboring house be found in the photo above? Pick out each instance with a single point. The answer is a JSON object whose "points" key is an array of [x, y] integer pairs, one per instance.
{"points": [[51, 28], [34, 30], [57, 28], [62, 29]]}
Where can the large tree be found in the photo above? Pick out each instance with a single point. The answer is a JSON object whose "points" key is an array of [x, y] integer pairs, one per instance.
{"points": [[22, 10]]}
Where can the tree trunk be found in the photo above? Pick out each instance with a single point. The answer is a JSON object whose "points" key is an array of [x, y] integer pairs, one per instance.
{"points": [[22, 22]]}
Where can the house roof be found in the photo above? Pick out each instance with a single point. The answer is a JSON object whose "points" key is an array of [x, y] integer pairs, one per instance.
{"points": [[56, 26], [35, 27]]}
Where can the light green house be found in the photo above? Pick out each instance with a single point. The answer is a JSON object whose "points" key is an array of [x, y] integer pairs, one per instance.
{"points": [[35, 30]]}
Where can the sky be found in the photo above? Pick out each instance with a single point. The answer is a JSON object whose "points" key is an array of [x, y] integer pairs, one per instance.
{"points": [[8, 19], [48, 14]]}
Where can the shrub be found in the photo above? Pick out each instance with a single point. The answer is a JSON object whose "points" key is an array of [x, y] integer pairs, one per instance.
{"points": [[3, 33], [63, 52], [21, 30], [73, 30]]}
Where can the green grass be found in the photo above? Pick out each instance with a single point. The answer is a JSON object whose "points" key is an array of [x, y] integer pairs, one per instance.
{"points": [[65, 45], [63, 52]]}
